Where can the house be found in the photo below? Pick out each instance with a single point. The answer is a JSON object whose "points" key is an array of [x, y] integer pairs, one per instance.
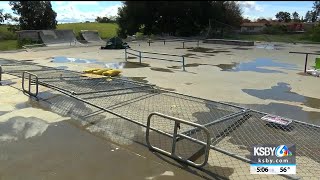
{"points": [[252, 27]]}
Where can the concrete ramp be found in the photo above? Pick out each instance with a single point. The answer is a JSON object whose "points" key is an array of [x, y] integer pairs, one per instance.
{"points": [[58, 38], [91, 36]]}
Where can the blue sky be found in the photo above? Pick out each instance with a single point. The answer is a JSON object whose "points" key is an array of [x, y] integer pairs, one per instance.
{"points": [[80, 11]]}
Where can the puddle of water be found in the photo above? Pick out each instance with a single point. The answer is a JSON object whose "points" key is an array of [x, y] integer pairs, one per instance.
{"points": [[256, 65], [114, 65], [161, 69], [282, 92], [188, 83], [269, 46], [19, 127]]}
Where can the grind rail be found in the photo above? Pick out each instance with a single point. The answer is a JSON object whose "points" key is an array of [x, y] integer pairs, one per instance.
{"points": [[190, 125]]}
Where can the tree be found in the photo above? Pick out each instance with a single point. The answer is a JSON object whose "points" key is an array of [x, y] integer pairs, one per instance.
{"points": [[5, 16], [295, 17], [316, 9], [182, 18], [310, 16], [283, 16], [34, 15], [102, 20]]}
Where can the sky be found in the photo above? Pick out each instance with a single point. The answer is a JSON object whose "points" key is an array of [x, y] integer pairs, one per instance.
{"points": [[80, 11]]}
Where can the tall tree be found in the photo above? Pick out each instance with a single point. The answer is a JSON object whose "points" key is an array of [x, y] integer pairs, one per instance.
{"points": [[34, 14], [316, 9], [4, 16], [310, 16], [176, 17], [295, 17], [283, 16]]}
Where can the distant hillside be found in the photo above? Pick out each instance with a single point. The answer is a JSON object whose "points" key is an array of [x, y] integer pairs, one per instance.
{"points": [[106, 30]]}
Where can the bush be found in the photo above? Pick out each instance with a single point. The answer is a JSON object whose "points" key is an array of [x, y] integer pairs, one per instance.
{"points": [[22, 42], [313, 34], [275, 29]]}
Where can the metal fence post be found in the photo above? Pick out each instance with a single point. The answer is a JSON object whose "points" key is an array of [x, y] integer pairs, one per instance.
{"points": [[305, 64], [164, 42], [183, 44], [125, 54], [149, 42], [183, 64], [140, 57]]}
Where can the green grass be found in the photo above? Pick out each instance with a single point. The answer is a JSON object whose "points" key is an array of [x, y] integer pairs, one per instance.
{"points": [[5, 34], [6, 45], [106, 30], [288, 38]]}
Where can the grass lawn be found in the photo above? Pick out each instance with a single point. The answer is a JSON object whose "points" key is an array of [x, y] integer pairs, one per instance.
{"points": [[106, 30], [6, 45], [288, 38]]}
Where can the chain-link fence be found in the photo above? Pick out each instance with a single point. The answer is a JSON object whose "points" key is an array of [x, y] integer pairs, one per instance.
{"points": [[120, 110]]}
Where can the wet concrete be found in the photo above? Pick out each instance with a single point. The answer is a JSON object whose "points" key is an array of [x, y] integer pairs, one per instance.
{"points": [[114, 65], [241, 48], [205, 50], [161, 69], [282, 92], [286, 110], [61, 151], [256, 66], [189, 65], [139, 79], [62, 67]]}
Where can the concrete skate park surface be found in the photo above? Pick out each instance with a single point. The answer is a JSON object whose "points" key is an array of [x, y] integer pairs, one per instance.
{"points": [[261, 77]]}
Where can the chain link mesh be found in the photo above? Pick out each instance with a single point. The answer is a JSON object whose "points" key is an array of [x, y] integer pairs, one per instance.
{"points": [[236, 134]]}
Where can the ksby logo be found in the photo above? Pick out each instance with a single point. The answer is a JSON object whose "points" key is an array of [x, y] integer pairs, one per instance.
{"points": [[283, 151], [280, 151]]}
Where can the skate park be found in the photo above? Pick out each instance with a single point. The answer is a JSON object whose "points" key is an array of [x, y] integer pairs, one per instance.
{"points": [[260, 78]]}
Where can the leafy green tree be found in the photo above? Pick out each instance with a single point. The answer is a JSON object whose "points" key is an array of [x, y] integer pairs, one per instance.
{"points": [[295, 17], [310, 16], [5, 16], [34, 14], [182, 18], [283, 16]]}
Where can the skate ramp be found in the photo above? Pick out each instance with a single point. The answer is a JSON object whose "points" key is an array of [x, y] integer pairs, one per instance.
{"points": [[58, 38], [91, 36]]}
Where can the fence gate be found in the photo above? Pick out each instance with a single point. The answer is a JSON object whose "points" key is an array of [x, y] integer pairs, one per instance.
{"points": [[164, 133], [30, 83]]}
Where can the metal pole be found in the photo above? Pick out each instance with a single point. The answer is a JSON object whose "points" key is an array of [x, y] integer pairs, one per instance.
{"points": [[183, 44], [125, 54], [149, 42], [174, 139], [140, 57], [164, 42], [305, 64], [198, 43], [184, 69]]}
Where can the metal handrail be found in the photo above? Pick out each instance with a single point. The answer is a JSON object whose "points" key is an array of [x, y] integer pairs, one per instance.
{"points": [[175, 137], [29, 84]]}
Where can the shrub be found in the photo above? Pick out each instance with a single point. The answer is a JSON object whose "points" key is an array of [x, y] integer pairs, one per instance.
{"points": [[25, 41]]}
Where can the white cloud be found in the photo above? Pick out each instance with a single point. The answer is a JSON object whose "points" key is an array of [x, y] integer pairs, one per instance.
{"points": [[250, 6], [70, 13], [110, 11]]}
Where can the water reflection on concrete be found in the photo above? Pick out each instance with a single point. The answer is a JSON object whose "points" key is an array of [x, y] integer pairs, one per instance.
{"points": [[256, 66]]}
